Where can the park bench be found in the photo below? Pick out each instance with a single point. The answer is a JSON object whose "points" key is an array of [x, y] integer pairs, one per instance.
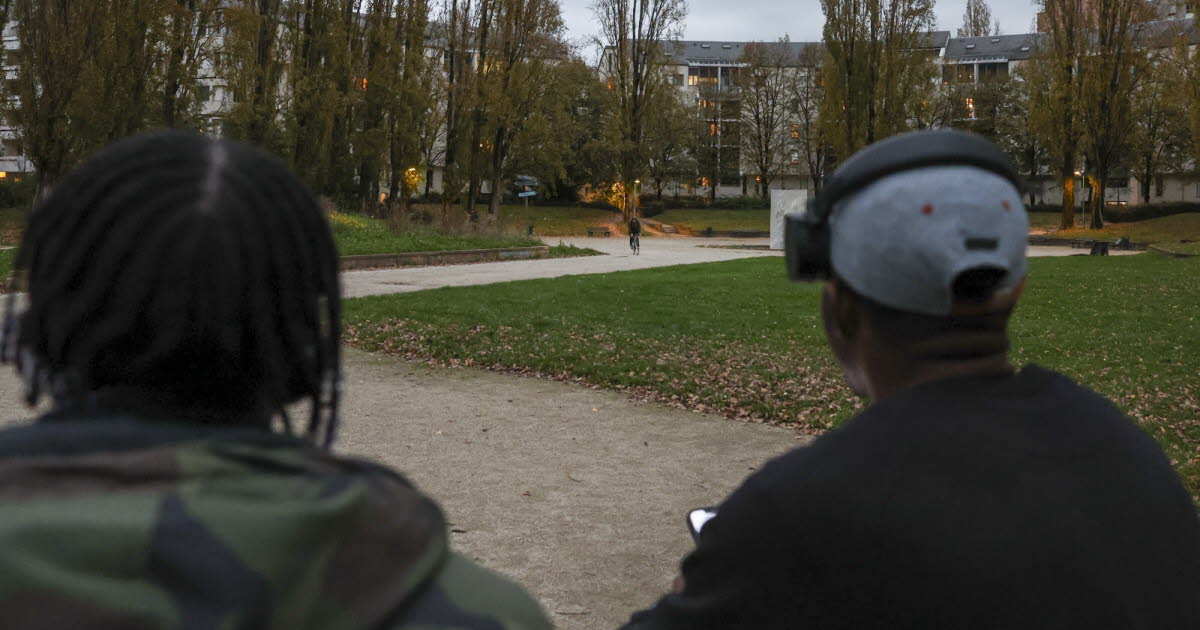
{"points": [[599, 231]]}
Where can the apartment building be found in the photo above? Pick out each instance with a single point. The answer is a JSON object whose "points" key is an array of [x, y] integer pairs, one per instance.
{"points": [[12, 163]]}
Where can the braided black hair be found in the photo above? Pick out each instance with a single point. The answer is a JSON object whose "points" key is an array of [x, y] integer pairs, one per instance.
{"points": [[200, 270]]}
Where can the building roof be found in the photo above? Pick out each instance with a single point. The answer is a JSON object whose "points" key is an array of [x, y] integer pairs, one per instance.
{"points": [[706, 52], [935, 39], [1003, 47]]}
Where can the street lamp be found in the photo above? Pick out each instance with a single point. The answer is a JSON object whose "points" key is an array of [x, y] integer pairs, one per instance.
{"points": [[1080, 174]]}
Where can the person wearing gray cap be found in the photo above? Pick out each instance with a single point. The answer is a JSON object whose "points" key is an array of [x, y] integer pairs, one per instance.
{"points": [[968, 494]]}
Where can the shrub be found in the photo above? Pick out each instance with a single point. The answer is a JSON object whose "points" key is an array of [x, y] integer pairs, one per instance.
{"points": [[653, 208], [16, 193], [741, 203], [599, 204], [1130, 214]]}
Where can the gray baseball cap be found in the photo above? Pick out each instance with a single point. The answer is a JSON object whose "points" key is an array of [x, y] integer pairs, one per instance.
{"points": [[906, 238]]}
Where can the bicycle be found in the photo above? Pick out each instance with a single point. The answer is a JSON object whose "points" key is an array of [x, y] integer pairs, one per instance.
{"points": [[635, 243]]}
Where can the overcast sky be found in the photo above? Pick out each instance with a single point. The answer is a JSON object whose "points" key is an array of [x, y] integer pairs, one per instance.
{"points": [[768, 20]]}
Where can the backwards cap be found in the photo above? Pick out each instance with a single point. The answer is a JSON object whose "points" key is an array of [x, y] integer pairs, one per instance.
{"points": [[905, 238]]}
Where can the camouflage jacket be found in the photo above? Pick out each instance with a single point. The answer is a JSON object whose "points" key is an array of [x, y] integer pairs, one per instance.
{"points": [[122, 523]]}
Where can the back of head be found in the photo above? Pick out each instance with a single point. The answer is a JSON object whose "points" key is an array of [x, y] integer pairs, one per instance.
{"points": [[198, 275], [929, 230]]}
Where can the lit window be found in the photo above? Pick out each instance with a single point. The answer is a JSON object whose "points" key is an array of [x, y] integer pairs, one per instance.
{"points": [[971, 108], [795, 132]]}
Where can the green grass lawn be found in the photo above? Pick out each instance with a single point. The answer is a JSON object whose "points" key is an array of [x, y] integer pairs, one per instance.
{"points": [[735, 338], [721, 220], [1179, 227], [554, 220], [356, 235], [6, 263]]}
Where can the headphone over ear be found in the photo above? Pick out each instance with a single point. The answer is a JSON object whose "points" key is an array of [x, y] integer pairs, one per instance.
{"points": [[808, 239]]}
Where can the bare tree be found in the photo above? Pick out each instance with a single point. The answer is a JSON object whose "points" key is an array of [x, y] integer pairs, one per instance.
{"points": [[632, 35], [1161, 142], [977, 20], [763, 85], [807, 134]]}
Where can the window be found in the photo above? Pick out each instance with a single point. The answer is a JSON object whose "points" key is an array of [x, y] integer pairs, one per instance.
{"points": [[795, 132], [993, 71], [12, 87], [1159, 186], [203, 93], [677, 79]]}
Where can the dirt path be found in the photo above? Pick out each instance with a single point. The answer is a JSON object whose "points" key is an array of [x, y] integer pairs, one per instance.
{"points": [[578, 494]]}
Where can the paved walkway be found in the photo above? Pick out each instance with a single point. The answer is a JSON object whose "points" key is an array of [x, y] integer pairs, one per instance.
{"points": [[656, 252]]}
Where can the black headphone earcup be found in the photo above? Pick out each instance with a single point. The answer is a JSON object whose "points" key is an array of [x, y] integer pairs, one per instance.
{"points": [[807, 246]]}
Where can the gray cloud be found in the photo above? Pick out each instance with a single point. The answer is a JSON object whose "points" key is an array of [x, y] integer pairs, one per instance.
{"points": [[747, 20]]}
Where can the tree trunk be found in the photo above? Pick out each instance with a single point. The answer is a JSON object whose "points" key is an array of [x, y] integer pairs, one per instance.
{"points": [[1067, 177], [494, 204], [1097, 205]]}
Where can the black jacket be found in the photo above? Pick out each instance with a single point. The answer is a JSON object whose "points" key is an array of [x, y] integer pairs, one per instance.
{"points": [[1015, 502]]}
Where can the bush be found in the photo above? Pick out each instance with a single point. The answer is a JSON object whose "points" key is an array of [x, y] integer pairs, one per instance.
{"points": [[741, 203], [1130, 214], [653, 208], [16, 193], [599, 205]]}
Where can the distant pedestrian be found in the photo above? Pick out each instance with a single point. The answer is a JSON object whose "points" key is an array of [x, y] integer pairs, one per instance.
{"points": [[635, 235]]}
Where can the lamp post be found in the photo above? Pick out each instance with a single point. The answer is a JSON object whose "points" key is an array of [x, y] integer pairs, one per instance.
{"points": [[1080, 174]]}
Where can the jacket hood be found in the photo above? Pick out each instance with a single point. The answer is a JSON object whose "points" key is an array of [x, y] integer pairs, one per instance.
{"points": [[121, 522]]}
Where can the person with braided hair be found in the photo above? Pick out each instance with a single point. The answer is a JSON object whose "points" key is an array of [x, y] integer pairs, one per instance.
{"points": [[181, 296]]}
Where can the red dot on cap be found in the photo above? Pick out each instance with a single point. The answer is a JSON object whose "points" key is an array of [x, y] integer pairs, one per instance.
{"points": [[928, 209], [1007, 206]]}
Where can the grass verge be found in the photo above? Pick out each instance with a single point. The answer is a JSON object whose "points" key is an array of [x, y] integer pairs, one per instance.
{"points": [[551, 220], [357, 235], [563, 250], [12, 224], [1179, 227], [735, 338], [7, 256], [721, 220]]}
